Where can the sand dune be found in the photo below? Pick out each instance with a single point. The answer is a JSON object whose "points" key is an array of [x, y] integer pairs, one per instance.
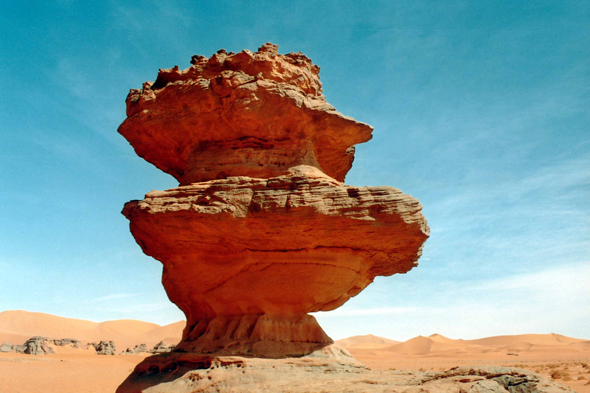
{"points": [[368, 341], [547, 354], [17, 326], [582, 345], [72, 367], [535, 339], [423, 345], [437, 345]]}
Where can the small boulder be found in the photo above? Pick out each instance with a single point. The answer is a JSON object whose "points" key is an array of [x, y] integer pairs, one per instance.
{"points": [[5, 347], [161, 347], [68, 341], [136, 350], [104, 348], [19, 348], [37, 346]]}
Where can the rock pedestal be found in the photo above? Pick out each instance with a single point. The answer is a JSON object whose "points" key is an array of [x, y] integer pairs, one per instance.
{"points": [[261, 230]]}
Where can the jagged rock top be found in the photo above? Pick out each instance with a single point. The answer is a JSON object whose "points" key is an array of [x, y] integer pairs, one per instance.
{"points": [[294, 69], [246, 114]]}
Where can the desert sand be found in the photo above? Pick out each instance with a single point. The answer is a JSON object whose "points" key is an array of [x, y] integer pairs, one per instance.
{"points": [[565, 359], [17, 326]]}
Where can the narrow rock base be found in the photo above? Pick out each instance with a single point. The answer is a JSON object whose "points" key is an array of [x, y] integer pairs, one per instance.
{"points": [[255, 335]]}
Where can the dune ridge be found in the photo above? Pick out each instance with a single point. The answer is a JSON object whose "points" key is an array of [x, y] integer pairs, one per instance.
{"points": [[16, 326], [437, 344], [548, 354]]}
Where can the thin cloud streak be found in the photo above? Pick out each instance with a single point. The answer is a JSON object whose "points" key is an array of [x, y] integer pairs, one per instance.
{"points": [[369, 311], [116, 296]]}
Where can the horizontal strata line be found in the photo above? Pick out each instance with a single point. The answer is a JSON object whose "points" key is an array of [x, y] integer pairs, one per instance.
{"points": [[314, 248], [269, 264]]}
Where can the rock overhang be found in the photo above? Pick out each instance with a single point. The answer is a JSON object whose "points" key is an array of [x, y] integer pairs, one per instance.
{"points": [[188, 120]]}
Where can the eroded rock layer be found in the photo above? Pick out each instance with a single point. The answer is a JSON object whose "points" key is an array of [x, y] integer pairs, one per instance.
{"points": [[273, 250], [320, 372], [247, 114]]}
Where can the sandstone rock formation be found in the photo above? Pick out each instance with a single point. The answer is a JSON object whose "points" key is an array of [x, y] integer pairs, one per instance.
{"points": [[68, 341], [245, 114], [246, 375], [246, 259], [261, 231], [37, 346], [136, 350], [104, 348], [5, 347], [161, 347]]}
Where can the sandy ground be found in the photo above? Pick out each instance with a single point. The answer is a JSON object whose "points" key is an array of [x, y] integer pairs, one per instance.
{"points": [[90, 373], [64, 373], [18, 326], [81, 371], [69, 370], [567, 363]]}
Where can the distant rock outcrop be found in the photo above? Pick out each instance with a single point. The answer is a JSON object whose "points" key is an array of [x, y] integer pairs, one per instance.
{"points": [[104, 348], [68, 341], [136, 350], [5, 347], [37, 346], [161, 347], [33, 346]]}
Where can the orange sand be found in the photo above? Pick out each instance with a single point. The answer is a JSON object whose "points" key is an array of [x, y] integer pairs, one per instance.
{"points": [[568, 359], [18, 326], [81, 370]]}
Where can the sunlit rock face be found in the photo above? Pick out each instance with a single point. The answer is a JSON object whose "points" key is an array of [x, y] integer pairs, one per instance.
{"points": [[253, 114], [262, 231]]}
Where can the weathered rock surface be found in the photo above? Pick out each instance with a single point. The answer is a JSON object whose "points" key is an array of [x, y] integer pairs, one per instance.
{"points": [[35, 346], [104, 348], [68, 341], [161, 347], [188, 373], [136, 350], [262, 231], [5, 347], [246, 259], [247, 114], [42, 345]]}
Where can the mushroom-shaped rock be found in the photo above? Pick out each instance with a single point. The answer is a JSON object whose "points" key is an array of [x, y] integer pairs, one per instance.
{"points": [[261, 230]]}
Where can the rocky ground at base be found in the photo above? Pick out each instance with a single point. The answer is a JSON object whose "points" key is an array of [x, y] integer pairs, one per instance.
{"points": [[185, 373]]}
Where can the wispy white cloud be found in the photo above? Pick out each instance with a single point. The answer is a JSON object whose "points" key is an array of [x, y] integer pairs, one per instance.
{"points": [[138, 308], [367, 311], [115, 296], [552, 300], [566, 285]]}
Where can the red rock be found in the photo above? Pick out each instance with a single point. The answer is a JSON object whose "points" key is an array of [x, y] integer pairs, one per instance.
{"points": [[245, 114], [247, 258], [261, 231]]}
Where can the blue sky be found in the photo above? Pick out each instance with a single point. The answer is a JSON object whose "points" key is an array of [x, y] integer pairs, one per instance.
{"points": [[480, 109]]}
